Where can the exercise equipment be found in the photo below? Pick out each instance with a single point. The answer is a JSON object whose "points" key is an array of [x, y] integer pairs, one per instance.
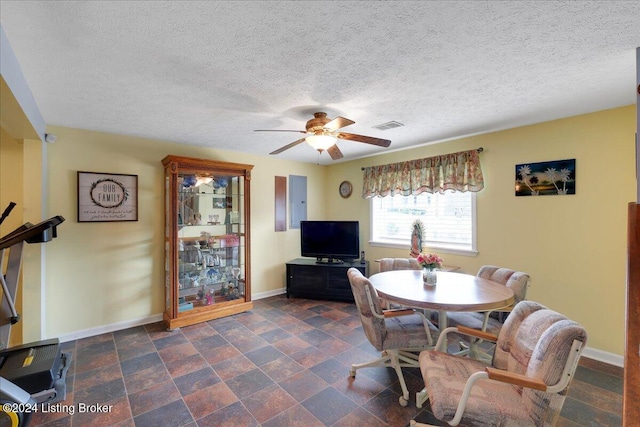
{"points": [[34, 373]]}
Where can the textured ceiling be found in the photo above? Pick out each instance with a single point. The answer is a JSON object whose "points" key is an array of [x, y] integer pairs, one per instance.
{"points": [[210, 73]]}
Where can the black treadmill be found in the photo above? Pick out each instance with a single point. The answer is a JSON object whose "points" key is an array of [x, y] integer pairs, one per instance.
{"points": [[30, 373]]}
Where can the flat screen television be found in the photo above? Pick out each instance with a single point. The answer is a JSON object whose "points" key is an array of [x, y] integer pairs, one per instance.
{"points": [[330, 240]]}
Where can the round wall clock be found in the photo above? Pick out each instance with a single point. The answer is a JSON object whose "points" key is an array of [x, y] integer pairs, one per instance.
{"points": [[345, 189]]}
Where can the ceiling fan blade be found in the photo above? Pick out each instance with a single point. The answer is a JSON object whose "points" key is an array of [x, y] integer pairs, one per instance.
{"points": [[365, 139], [335, 152], [286, 147], [278, 130], [337, 123]]}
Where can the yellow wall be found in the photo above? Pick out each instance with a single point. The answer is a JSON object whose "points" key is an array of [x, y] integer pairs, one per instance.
{"points": [[32, 275], [106, 273], [11, 180], [574, 247], [11, 190], [20, 182]]}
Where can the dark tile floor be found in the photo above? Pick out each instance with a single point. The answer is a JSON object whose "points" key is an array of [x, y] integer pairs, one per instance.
{"points": [[285, 363]]}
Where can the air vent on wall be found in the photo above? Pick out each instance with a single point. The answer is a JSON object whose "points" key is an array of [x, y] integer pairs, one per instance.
{"points": [[389, 125]]}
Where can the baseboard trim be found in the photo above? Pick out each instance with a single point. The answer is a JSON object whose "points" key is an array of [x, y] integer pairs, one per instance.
{"points": [[603, 356], [268, 294], [86, 333]]}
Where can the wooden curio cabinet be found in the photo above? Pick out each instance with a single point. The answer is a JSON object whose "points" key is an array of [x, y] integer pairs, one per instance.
{"points": [[207, 240]]}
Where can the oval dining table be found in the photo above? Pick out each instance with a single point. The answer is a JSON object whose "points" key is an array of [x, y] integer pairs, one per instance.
{"points": [[453, 292]]}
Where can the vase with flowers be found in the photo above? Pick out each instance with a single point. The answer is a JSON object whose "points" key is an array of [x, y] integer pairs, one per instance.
{"points": [[430, 263]]}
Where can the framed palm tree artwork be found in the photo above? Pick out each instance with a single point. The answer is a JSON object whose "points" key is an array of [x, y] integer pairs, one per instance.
{"points": [[557, 177]]}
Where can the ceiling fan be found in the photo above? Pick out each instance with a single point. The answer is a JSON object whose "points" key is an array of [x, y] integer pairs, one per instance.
{"points": [[322, 134]]}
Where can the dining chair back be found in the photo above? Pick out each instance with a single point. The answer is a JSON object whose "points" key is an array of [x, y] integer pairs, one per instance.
{"points": [[389, 264], [492, 321], [517, 281], [369, 309]]}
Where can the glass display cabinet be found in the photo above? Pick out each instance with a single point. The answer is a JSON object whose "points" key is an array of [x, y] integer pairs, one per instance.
{"points": [[207, 244]]}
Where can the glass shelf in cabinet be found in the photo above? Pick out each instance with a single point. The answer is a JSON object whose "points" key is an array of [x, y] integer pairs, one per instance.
{"points": [[189, 194]]}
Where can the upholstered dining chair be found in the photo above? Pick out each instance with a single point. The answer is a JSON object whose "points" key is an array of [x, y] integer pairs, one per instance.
{"points": [[388, 264], [491, 321], [536, 355], [399, 334]]}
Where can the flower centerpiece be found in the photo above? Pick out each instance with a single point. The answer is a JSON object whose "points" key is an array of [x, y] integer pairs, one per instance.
{"points": [[429, 263]]}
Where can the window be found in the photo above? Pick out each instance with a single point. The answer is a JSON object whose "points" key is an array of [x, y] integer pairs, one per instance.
{"points": [[449, 220]]}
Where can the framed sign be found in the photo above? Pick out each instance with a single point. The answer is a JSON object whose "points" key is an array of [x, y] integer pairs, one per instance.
{"points": [[107, 197]]}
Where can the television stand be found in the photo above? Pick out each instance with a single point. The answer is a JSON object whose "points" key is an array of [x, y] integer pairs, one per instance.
{"points": [[308, 278]]}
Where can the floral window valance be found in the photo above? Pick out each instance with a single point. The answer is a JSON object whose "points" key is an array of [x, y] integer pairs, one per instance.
{"points": [[456, 171]]}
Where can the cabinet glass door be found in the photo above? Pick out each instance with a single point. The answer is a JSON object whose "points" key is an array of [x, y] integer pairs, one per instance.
{"points": [[211, 265]]}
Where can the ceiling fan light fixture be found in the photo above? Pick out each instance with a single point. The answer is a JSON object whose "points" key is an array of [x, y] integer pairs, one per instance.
{"points": [[321, 142]]}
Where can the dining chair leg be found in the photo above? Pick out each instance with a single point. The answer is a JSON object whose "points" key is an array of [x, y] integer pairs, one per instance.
{"points": [[385, 360], [395, 363], [474, 351], [414, 423], [395, 359], [421, 397]]}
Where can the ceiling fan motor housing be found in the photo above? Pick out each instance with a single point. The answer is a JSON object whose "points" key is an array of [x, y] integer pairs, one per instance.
{"points": [[316, 124]]}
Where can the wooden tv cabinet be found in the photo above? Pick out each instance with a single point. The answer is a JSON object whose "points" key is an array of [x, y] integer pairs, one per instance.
{"points": [[307, 278]]}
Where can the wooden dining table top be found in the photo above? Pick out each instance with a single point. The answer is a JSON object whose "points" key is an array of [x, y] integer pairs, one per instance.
{"points": [[453, 291]]}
